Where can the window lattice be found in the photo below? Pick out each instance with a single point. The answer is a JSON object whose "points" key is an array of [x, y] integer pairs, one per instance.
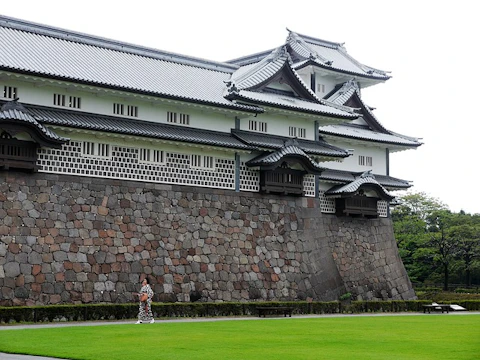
{"points": [[326, 205], [365, 160], [309, 185], [152, 156], [297, 132], [178, 118], [61, 100], [125, 163], [95, 149], [118, 109], [249, 179], [202, 161], [382, 208], [132, 110], [256, 125], [9, 92]]}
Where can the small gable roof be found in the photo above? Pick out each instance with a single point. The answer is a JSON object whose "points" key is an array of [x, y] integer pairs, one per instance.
{"points": [[348, 94], [275, 142], [346, 177], [274, 67], [290, 151], [250, 84], [15, 118], [364, 181], [307, 50]]}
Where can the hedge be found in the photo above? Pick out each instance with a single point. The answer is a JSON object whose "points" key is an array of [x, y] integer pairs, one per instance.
{"points": [[92, 312]]}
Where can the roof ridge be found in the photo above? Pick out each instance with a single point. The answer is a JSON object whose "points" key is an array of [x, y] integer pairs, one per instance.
{"points": [[116, 45], [317, 41]]}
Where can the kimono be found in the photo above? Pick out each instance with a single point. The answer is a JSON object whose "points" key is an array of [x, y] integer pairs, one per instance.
{"points": [[145, 307]]}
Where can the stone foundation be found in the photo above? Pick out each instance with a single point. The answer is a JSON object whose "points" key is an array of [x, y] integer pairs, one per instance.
{"points": [[68, 239]]}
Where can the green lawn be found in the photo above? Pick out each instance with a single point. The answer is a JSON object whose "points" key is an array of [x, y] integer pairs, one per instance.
{"points": [[424, 337]]}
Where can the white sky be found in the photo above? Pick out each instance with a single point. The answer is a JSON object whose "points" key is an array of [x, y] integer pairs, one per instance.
{"points": [[431, 48]]}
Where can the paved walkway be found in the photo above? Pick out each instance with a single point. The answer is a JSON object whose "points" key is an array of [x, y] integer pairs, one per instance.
{"points": [[4, 356]]}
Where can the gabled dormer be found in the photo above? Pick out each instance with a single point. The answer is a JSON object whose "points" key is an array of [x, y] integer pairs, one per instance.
{"points": [[21, 134], [366, 127], [272, 82], [273, 74], [360, 196], [330, 58], [282, 171]]}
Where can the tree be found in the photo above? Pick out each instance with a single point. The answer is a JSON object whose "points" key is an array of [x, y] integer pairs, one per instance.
{"points": [[442, 242], [411, 232], [467, 234], [418, 205], [433, 241]]}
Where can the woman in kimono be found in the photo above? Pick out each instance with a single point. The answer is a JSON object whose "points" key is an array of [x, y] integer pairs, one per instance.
{"points": [[145, 307]]}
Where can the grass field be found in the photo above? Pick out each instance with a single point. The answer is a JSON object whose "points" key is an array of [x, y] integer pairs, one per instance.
{"points": [[436, 337]]}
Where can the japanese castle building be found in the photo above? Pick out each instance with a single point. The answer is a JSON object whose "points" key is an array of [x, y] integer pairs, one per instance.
{"points": [[289, 122]]}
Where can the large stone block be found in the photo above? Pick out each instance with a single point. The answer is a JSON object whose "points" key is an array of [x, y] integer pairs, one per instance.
{"points": [[113, 232]]}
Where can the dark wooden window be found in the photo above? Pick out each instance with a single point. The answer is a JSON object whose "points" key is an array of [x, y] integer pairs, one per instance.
{"points": [[357, 205], [282, 180], [18, 154]]}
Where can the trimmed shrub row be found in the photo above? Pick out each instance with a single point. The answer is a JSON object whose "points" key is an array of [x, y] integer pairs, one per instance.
{"points": [[60, 313]]}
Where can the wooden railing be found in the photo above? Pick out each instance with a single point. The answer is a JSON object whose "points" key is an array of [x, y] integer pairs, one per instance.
{"points": [[18, 154]]}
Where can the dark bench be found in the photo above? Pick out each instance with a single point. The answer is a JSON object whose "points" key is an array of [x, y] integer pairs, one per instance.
{"points": [[274, 310], [436, 307]]}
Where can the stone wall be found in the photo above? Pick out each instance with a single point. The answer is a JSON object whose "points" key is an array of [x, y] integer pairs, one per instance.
{"points": [[67, 239]]}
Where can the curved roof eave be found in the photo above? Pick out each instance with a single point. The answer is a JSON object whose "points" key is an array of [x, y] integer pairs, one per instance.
{"points": [[239, 96], [15, 117], [345, 177], [364, 181], [291, 151], [115, 125], [410, 142], [311, 62]]}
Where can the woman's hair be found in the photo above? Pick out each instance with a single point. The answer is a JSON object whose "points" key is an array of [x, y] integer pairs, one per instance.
{"points": [[146, 279]]}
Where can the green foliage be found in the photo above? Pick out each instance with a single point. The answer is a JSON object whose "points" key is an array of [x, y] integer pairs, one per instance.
{"points": [[436, 244], [65, 313], [445, 296]]}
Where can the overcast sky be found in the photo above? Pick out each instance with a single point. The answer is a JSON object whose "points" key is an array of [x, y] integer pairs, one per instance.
{"points": [[431, 48]]}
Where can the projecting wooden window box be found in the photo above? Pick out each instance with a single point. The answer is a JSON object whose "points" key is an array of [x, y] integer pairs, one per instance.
{"points": [[357, 205], [283, 181], [18, 154]]}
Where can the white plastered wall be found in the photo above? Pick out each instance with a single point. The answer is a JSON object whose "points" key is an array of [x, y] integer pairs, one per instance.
{"points": [[101, 102], [351, 163]]}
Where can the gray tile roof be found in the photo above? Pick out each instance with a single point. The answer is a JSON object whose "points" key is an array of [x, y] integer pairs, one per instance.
{"points": [[373, 131], [293, 104], [330, 55], [346, 177], [111, 124], [343, 93], [364, 180], [361, 132], [349, 93], [91, 60], [290, 150], [250, 76], [248, 83], [15, 113], [71, 56], [273, 142]]}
